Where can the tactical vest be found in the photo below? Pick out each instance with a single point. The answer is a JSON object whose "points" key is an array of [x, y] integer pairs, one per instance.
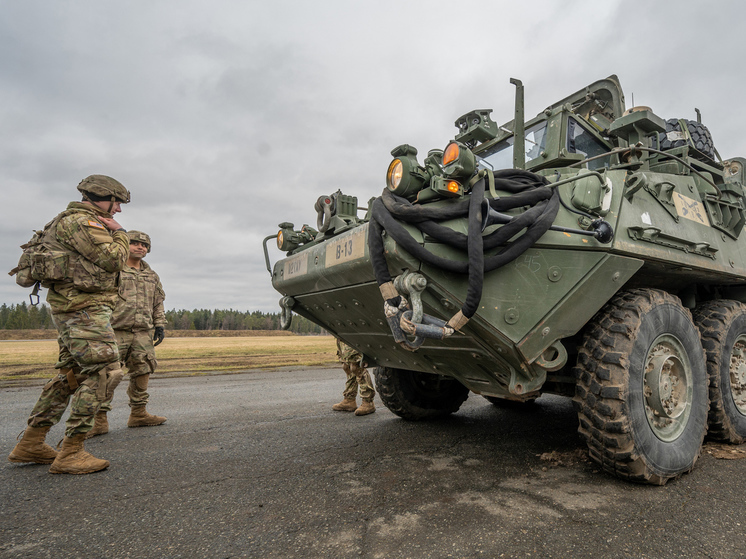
{"points": [[46, 261]]}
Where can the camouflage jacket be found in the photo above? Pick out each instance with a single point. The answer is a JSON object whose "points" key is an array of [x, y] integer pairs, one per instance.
{"points": [[141, 297], [347, 354], [97, 252]]}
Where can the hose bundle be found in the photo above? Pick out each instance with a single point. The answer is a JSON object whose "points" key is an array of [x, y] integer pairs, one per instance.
{"points": [[526, 189]]}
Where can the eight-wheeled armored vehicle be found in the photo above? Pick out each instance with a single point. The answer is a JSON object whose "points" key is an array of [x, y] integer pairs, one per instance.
{"points": [[592, 251]]}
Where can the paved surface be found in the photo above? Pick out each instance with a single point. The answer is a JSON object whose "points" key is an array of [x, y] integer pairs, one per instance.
{"points": [[257, 465]]}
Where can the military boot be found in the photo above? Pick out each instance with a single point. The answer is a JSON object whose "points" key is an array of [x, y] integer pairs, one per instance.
{"points": [[348, 404], [100, 426], [73, 459], [32, 448], [141, 418], [365, 408]]}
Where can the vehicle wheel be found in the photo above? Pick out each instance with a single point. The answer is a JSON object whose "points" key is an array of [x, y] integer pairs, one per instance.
{"points": [[700, 135], [413, 395], [722, 325], [641, 391]]}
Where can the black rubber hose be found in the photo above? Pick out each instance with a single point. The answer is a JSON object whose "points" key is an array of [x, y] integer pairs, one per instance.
{"points": [[475, 251], [408, 243], [375, 249], [527, 189]]}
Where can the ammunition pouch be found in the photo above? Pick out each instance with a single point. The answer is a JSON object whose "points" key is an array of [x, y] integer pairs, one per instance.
{"points": [[87, 276], [108, 379], [72, 382]]}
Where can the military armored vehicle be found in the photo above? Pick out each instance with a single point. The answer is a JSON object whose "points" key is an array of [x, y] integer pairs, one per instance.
{"points": [[592, 251]]}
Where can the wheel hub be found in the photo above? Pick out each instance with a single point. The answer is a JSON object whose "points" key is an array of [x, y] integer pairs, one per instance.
{"points": [[738, 374], [667, 388]]}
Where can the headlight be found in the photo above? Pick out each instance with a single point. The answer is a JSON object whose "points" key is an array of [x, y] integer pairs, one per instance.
{"points": [[405, 177], [394, 174], [451, 153], [458, 161], [287, 237]]}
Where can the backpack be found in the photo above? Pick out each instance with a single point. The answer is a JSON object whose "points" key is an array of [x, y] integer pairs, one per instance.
{"points": [[44, 261]]}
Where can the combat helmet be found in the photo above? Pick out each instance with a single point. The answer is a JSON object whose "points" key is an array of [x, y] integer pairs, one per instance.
{"points": [[140, 237], [100, 188]]}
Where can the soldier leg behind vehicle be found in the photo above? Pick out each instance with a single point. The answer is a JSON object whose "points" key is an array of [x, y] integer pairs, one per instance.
{"points": [[141, 363], [367, 392], [349, 401]]}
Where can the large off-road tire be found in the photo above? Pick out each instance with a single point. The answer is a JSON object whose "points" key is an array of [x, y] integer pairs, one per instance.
{"points": [[700, 136], [413, 395], [722, 324], [641, 391]]}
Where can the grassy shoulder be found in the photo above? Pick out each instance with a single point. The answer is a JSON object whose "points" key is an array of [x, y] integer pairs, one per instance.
{"points": [[33, 359]]}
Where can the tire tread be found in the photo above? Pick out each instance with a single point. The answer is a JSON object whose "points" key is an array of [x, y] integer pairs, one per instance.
{"points": [[602, 381]]}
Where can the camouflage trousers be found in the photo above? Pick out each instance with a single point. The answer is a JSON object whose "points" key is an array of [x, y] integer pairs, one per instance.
{"points": [[88, 347], [137, 353], [358, 377]]}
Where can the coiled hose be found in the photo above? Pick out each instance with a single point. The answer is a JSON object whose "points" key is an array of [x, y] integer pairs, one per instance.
{"points": [[526, 189]]}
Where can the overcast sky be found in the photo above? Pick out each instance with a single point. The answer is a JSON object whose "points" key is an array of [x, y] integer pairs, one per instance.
{"points": [[225, 118]]}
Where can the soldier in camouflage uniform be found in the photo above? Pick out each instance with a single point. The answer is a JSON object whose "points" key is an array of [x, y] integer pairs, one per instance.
{"points": [[138, 319], [357, 376], [95, 249]]}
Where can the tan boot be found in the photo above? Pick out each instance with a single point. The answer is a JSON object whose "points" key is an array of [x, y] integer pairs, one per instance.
{"points": [[73, 459], [365, 408], [348, 404], [32, 448], [141, 418], [100, 426]]}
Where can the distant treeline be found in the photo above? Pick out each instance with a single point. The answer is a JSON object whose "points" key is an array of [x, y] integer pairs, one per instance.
{"points": [[25, 317], [28, 317], [206, 319]]}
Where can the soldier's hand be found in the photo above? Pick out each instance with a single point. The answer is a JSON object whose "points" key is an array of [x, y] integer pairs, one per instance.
{"points": [[159, 334], [110, 223]]}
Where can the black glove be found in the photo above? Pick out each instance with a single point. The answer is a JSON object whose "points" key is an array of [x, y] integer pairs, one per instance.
{"points": [[160, 333]]}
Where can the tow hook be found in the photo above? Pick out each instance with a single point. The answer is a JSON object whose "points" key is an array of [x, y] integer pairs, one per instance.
{"points": [[409, 318], [286, 313]]}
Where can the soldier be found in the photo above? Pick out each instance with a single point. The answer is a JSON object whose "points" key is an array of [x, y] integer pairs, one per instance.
{"points": [[89, 248], [138, 319], [357, 376]]}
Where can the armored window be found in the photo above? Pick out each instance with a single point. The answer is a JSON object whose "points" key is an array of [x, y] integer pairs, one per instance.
{"points": [[500, 156], [580, 140]]}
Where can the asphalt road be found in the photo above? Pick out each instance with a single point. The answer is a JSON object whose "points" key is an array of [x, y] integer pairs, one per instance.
{"points": [[257, 465]]}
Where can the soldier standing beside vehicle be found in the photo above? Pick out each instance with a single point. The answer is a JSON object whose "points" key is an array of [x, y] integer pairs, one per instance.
{"points": [[138, 320], [85, 250], [357, 376]]}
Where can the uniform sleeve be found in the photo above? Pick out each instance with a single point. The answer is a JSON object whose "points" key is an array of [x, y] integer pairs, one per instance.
{"points": [[159, 314], [94, 242]]}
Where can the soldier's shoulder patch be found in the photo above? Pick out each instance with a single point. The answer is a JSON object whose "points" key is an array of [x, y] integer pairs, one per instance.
{"points": [[92, 223]]}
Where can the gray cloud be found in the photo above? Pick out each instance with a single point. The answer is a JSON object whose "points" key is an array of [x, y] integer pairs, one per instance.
{"points": [[226, 118]]}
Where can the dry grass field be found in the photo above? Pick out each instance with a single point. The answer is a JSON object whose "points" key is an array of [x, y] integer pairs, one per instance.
{"points": [[189, 355], [51, 334]]}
